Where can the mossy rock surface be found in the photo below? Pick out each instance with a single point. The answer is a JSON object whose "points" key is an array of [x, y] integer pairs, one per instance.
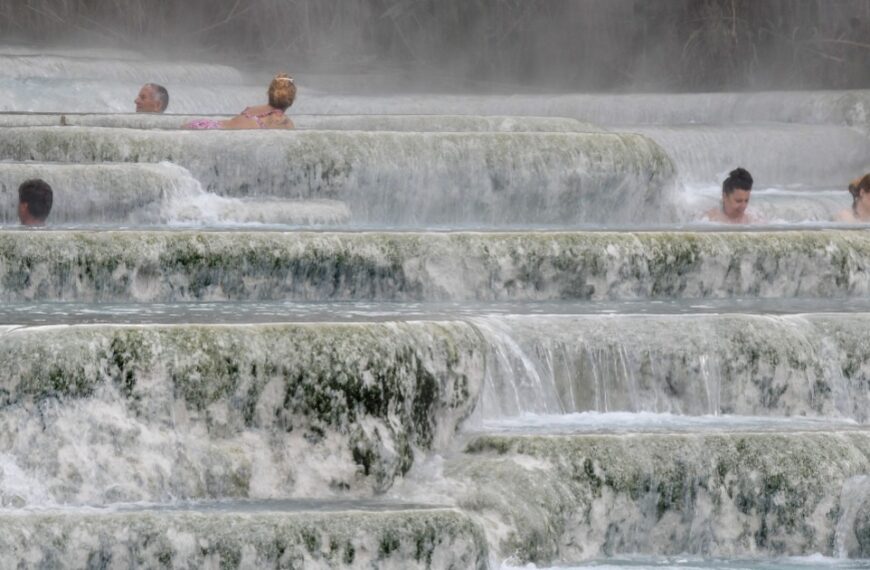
{"points": [[414, 539], [184, 266], [716, 495], [206, 411]]}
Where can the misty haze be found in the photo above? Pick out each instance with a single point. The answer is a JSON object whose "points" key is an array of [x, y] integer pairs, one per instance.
{"points": [[490, 284]]}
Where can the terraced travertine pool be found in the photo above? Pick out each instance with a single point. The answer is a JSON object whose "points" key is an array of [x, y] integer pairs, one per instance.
{"points": [[428, 331]]}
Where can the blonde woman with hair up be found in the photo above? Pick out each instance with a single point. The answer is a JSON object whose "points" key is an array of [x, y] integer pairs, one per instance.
{"points": [[282, 93]]}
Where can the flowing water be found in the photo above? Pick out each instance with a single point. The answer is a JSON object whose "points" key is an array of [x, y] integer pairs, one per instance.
{"points": [[428, 331]]}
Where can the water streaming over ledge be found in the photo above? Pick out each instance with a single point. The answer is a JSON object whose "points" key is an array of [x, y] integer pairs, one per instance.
{"points": [[309, 371], [394, 177]]}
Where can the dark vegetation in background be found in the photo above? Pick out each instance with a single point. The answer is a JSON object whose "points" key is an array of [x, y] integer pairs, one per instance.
{"points": [[684, 45]]}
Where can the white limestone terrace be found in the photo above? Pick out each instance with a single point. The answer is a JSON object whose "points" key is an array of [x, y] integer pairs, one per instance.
{"points": [[851, 108], [778, 155], [580, 395], [415, 123], [691, 371], [171, 266], [731, 495], [398, 178], [140, 193], [123, 414], [274, 535]]}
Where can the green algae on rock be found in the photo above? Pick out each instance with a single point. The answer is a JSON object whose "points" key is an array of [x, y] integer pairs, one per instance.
{"points": [[419, 538], [182, 266], [716, 495], [232, 411], [396, 177], [756, 365]]}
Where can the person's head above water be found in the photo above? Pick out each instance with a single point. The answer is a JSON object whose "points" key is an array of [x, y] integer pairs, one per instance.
{"points": [[859, 186], [34, 202], [860, 191], [152, 98], [735, 193], [282, 91]]}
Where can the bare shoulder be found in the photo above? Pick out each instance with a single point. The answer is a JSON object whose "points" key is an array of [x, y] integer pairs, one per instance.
{"points": [[255, 110], [845, 216], [240, 122], [713, 215]]}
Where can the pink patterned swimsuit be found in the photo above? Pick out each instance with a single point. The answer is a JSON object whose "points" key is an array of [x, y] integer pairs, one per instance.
{"points": [[259, 118], [203, 124]]}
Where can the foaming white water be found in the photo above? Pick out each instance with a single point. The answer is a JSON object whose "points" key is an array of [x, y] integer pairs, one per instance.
{"points": [[684, 365], [854, 498], [98, 451], [147, 444], [815, 561], [783, 205], [161, 414], [19, 488], [142, 193], [193, 206], [775, 154], [99, 193], [401, 178], [649, 422]]}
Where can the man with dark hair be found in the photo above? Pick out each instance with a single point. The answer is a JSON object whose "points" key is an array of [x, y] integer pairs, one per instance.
{"points": [[735, 198], [34, 202], [152, 98]]}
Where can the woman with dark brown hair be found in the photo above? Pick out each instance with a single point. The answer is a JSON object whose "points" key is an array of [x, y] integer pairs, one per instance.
{"points": [[282, 93], [860, 210]]}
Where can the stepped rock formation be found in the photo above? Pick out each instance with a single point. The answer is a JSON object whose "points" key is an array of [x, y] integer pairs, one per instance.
{"points": [[426, 330]]}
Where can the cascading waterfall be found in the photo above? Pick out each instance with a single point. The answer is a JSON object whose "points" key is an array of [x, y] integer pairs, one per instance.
{"points": [[783, 155], [398, 178], [142, 193], [750, 365], [161, 266], [454, 331], [77, 395]]}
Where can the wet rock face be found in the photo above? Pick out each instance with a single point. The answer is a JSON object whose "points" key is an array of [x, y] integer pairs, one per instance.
{"points": [[232, 411], [399, 178], [862, 532], [781, 155], [245, 541], [183, 266], [813, 365], [719, 495], [98, 193]]}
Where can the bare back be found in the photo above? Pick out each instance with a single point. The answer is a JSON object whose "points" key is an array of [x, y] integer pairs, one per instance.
{"points": [[259, 117]]}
